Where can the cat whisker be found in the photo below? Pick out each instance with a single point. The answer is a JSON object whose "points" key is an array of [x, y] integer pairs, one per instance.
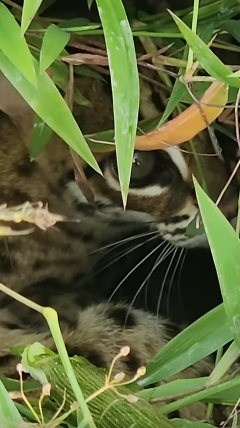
{"points": [[182, 253], [179, 275], [134, 268], [175, 250], [123, 241], [169, 248], [122, 254]]}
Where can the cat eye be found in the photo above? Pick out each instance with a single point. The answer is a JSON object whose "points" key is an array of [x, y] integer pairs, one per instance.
{"points": [[143, 167]]}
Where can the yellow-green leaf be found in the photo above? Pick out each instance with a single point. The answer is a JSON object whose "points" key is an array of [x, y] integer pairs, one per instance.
{"points": [[10, 417], [49, 105], [210, 62], [14, 46], [225, 248], [125, 84], [30, 8], [54, 42]]}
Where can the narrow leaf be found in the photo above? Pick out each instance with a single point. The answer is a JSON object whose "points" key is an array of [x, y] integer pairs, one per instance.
{"points": [[225, 248], [49, 105], [40, 137], [54, 42], [232, 27], [10, 417], [176, 94], [125, 84], [227, 360], [30, 8], [14, 46], [211, 63], [200, 339]]}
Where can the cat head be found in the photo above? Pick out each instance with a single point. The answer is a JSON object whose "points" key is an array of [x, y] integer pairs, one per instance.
{"points": [[161, 193], [161, 189]]}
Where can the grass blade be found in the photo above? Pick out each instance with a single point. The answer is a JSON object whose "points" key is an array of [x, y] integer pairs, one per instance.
{"points": [[41, 135], [226, 262], [10, 417], [49, 105], [211, 63], [30, 8], [200, 339], [125, 84], [14, 46], [54, 42]]}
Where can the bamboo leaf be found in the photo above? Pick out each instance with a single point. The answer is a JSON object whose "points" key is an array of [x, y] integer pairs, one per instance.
{"points": [[125, 84], [54, 42], [10, 417], [30, 8], [200, 339], [14, 46], [211, 63], [49, 105], [226, 262], [40, 137]]}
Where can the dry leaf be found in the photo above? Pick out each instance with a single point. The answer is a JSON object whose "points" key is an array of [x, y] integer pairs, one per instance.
{"points": [[189, 123], [30, 213]]}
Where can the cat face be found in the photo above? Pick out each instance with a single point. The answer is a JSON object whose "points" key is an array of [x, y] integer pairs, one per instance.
{"points": [[161, 189], [161, 193]]}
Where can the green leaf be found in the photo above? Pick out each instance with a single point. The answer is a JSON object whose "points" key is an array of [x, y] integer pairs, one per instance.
{"points": [[179, 90], [225, 248], [175, 98], [125, 84], [200, 339], [226, 392], [201, 87], [74, 23], [228, 396], [183, 423], [210, 62], [86, 71], [30, 8], [60, 76], [201, 395], [236, 74], [40, 137], [54, 41], [14, 385], [89, 2], [107, 137], [14, 46], [45, 5], [232, 27], [177, 93], [225, 363], [175, 387], [10, 417], [49, 105]]}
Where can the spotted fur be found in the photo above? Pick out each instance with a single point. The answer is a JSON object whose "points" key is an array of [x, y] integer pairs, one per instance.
{"points": [[49, 266]]}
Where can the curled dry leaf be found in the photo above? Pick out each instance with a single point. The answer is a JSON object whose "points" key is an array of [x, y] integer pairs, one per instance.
{"points": [[78, 59], [189, 123], [185, 126]]}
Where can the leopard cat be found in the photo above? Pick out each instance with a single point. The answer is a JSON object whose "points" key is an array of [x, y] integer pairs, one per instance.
{"points": [[49, 266]]}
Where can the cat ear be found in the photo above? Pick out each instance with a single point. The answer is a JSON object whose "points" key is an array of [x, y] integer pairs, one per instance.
{"points": [[14, 105]]}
